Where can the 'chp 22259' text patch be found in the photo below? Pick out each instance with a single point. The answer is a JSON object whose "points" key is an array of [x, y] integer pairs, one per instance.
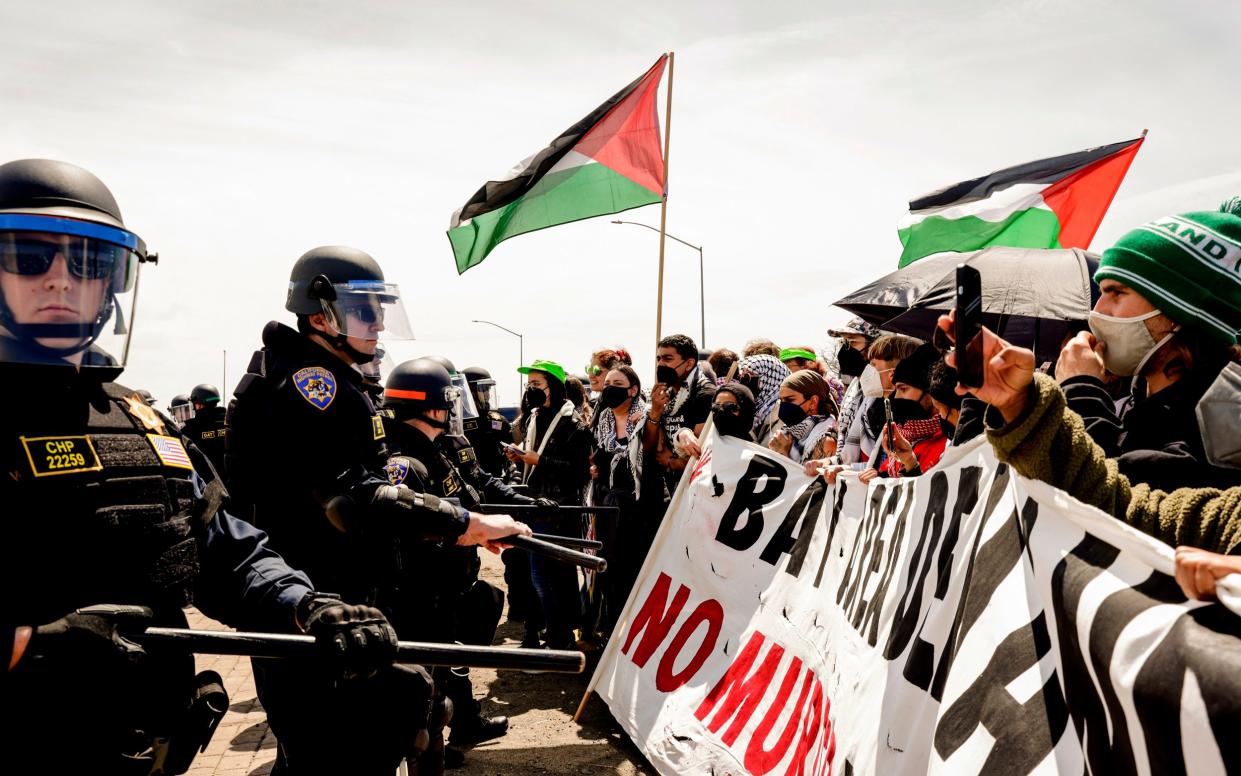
{"points": [[49, 456]]}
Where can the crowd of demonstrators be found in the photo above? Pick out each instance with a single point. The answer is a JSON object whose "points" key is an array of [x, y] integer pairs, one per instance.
{"points": [[386, 507]]}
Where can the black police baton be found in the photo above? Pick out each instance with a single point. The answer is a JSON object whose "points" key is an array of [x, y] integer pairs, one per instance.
{"points": [[556, 552], [289, 645], [570, 509], [570, 541]]}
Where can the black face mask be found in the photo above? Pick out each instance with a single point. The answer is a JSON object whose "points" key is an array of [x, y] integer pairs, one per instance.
{"points": [[905, 410], [875, 417], [730, 423], [666, 375], [790, 414], [852, 362], [613, 396], [535, 397]]}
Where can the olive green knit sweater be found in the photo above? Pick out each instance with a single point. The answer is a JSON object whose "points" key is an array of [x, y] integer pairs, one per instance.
{"points": [[1049, 443]]}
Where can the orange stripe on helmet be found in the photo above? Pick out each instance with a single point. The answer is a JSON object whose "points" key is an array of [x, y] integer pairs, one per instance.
{"points": [[396, 393]]}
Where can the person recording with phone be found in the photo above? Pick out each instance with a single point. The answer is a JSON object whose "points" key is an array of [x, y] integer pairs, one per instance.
{"points": [[912, 440]]}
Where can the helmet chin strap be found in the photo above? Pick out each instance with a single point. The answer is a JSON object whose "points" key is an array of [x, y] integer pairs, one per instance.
{"points": [[30, 333], [425, 417]]}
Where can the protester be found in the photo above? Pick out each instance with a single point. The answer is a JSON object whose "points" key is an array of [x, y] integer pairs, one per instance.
{"points": [[1168, 313], [600, 362], [1042, 438], [704, 366], [763, 374], [948, 406], [575, 391], [809, 417], [626, 539], [875, 382], [722, 360], [681, 399], [915, 441], [732, 414], [760, 346], [801, 357], [855, 337], [555, 463]]}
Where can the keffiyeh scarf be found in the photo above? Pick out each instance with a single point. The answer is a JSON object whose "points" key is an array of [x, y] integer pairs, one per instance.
{"points": [[770, 374]]}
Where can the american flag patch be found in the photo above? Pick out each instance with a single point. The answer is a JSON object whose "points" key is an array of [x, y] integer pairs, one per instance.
{"points": [[170, 451]]}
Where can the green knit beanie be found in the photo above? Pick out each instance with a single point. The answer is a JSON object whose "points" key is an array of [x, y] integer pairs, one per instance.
{"points": [[1189, 266]]}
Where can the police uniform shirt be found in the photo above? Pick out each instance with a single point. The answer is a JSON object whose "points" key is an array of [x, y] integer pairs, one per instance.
{"points": [[206, 430], [304, 437]]}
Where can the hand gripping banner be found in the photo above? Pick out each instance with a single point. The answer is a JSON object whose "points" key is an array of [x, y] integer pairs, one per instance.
{"points": [[965, 621]]}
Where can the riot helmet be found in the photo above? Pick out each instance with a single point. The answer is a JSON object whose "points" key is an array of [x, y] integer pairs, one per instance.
{"points": [[416, 387], [482, 388], [469, 418], [68, 267], [205, 394], [180, 408], [347, 286]]}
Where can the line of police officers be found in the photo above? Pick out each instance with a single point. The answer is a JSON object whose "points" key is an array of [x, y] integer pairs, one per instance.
{"points": [[118, 520]]}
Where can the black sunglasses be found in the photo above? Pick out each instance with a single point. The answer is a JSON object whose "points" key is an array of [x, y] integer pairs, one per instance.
{"points": [[730, 408], [366, 313], [87, 259]]}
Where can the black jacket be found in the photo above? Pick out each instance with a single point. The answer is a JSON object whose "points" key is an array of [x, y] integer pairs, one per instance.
{"points": [[206, 430], [564, 465], [1155, 439]]}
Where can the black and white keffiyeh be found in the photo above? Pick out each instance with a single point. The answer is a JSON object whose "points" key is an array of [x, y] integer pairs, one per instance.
{"points": [[770, 372]]}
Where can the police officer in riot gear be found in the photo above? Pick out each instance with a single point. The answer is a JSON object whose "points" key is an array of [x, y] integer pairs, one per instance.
{"points": [[114, 518], [441, 597], [206, 427], [305, 455], [493, 430], [180, 409]]}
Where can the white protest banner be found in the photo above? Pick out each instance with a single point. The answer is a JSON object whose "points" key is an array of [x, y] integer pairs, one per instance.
{"points": [[965, 621]]}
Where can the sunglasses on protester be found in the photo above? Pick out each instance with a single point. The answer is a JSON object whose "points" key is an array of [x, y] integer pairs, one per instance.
{"points": [[86, 259], [730, 407], [593, 370]]}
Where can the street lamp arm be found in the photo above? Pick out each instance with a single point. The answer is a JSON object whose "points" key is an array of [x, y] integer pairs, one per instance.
{"points": [[498, 326], [653, 229]]}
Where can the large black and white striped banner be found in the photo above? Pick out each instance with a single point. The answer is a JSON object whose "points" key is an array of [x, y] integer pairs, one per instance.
{"points": [[966, 621]]}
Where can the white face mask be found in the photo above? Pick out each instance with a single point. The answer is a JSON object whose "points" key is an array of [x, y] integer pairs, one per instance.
{"points": [[1128, 343], [872, 382]]}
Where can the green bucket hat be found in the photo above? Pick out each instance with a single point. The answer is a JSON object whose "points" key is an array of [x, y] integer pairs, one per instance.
{"points": [[1189, 266], [549, 367]]}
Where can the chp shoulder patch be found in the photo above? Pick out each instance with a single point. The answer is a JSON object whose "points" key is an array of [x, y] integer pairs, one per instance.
{"points": [[316, 385], [397, 470]]}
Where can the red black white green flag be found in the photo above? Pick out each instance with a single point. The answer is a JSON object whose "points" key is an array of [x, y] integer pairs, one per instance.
{"points": [[608, 162], [1049, 203]]}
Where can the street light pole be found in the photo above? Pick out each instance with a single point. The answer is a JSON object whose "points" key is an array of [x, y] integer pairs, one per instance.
{"points": [[702, 294], [521, 350]]}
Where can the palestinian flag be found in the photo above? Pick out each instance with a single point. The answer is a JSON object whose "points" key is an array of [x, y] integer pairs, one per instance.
{"points": [[1050, 203], [608, 162]]}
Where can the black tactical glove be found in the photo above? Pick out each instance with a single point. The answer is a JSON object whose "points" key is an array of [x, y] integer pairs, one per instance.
{"points": [[356, 641], [435, 517], [547, 504], [93, 632]]}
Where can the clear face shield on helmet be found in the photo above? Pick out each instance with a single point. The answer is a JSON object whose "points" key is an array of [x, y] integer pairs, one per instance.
{"points": [[181, 412], [365, 309], [484, 394], [468, 408], [68, 289], [381, 365], [456, 408]]}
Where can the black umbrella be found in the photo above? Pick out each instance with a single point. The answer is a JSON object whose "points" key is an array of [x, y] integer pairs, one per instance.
{"points": [[1031, 297]]}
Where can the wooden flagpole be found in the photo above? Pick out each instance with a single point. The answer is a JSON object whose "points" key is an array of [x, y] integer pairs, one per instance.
{"points": [[663, 208]]}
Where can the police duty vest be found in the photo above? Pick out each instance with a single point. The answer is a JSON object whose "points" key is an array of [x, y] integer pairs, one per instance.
{"points": [[100, 509]]}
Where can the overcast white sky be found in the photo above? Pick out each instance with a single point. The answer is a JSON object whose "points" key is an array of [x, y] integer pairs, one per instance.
{"points": [[237, 135]]}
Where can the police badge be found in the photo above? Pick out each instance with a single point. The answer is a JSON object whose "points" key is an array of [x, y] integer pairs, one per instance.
{"points": [[397, 470], [316, 385]]}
